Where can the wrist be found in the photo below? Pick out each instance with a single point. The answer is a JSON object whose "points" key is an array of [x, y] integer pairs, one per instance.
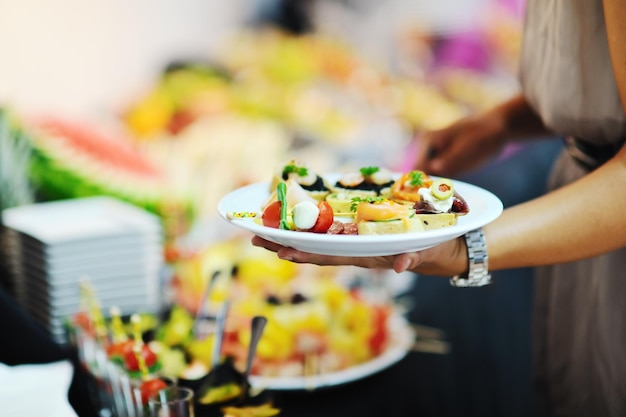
{"points": [[498, 125], [477, 273], [519, 119]]}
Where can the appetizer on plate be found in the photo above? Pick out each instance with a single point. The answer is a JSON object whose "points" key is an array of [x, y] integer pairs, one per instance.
{"points": [[381, 216], [290, 208], [407, 188], [367, 181], [372, 202], [312, 183]]}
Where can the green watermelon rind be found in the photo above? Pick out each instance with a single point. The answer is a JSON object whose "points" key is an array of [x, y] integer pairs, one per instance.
{"points": [[57, 178], [55, 181]]}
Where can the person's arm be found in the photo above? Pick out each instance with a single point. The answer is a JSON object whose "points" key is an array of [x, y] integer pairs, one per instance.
{"points": [[614, 17], [521, 120], [472, 140], [580, 220]]}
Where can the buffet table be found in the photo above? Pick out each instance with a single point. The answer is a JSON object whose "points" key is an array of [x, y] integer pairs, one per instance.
{"points": [[332, 109], [407, 388]]}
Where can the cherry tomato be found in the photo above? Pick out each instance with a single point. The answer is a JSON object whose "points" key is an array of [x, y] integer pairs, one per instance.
{"points": [[171, 253], [271, 215], [130, 360], [325, 218], [378, 339], [118, 350], [83, 321], [150, 387]]}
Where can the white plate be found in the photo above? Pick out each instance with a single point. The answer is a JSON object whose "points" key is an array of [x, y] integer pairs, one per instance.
{"points": [[81, 219], [484, 207], [402, 338]]}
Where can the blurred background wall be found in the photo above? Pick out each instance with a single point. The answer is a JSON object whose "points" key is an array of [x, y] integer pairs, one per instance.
{"points": [[81, 57], [84, 56]]}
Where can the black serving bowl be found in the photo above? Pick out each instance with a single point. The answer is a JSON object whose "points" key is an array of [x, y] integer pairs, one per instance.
{"points": [[224, 373]]}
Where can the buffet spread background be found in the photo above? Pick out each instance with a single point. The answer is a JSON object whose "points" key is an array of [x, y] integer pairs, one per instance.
{"points": [[204, 99]]}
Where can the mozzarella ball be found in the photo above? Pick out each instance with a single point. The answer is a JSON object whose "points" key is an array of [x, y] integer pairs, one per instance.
{"points": [[305, 215]]}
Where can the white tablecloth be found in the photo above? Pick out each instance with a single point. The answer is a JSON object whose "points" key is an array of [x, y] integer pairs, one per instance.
{"points": [[36, 390]]}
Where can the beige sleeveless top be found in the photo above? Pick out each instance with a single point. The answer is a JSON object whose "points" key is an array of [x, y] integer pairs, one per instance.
{"points": [[580, 314], [566, 71]]}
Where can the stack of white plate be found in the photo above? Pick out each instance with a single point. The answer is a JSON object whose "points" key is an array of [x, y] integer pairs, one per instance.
{"points": [[115, 247]]}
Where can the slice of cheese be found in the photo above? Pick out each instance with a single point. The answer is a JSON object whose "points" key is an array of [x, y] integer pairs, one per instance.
{"points": [[408, 225], [437, 221], [418, 223]]}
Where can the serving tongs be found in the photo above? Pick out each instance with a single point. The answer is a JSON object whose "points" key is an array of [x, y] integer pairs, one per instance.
{"points": [[212, 379], [200, 327], [256, 331], [220, 327]]}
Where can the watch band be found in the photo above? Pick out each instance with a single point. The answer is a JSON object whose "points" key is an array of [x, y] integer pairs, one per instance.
{"points": [[478, 258]]}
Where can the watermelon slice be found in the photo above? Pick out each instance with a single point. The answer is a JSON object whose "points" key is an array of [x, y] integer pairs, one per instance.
{"points": [[72, 160]]}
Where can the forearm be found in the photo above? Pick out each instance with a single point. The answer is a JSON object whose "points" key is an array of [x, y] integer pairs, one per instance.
{"points": [[473, 140], [580, 220], [520, 120], [615, 16]]}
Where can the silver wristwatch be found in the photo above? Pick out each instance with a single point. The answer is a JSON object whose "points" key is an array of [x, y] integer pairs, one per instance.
{"points": [[478, 274]]}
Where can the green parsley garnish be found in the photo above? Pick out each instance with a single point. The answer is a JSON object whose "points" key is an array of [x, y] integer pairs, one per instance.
{"points": [[369, 171], [417, 178], [356, 200], [300, 171]]}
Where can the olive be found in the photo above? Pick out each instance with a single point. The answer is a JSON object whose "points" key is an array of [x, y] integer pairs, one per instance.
{"points": [[442, 188], [272, 300], [298, 298]]}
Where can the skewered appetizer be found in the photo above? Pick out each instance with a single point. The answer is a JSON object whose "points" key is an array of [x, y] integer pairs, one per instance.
{"points": [[291, 208]]}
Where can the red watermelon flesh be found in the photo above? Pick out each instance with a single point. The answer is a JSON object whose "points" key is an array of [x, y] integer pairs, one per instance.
{"points": [[72, 160], [117, 153]]}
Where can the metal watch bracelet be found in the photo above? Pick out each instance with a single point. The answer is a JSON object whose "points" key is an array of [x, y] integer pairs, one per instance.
{"points": [[478, 274]]}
